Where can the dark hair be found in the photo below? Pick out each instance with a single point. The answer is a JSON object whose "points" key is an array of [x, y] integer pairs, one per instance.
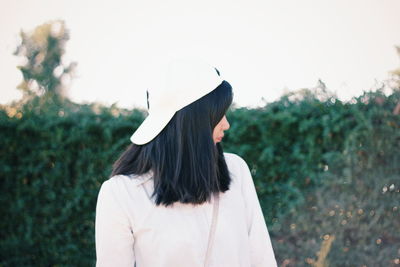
{"points": [[187, 165]]}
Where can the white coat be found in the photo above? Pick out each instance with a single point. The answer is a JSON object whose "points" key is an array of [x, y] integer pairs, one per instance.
{"points": [[131, 229]]}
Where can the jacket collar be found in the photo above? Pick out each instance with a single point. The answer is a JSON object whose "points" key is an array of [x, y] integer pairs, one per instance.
{"points": [[141, 178]]}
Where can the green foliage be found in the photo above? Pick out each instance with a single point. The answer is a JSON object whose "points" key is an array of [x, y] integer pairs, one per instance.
{"points": [[52, 166], [316, 162], [358, 196]]}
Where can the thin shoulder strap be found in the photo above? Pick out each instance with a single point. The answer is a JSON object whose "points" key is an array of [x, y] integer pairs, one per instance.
{"points": [[212, 229]]}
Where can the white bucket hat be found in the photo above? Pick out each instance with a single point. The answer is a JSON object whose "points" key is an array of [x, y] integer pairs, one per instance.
{"points": [[186, 82]]}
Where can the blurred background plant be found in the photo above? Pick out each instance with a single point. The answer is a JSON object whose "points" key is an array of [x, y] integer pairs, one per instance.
{"points": [[326, 171], [46, 75]]}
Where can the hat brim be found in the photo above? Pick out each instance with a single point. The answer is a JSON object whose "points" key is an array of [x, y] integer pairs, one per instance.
{"points": [[151, 126]]}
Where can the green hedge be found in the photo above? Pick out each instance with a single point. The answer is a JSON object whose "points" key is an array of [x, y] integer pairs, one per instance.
{"points": [[355, 197], [52, 166], [308, 156]]}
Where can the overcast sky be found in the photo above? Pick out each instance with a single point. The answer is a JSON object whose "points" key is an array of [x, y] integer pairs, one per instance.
{"points": [[263, 48]]}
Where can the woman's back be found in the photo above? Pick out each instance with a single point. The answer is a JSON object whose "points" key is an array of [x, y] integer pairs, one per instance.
{"points": [[177, 235]]}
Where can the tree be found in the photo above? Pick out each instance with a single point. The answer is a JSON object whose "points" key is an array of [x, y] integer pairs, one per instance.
{"points": [[44, 72], [396, 75]]}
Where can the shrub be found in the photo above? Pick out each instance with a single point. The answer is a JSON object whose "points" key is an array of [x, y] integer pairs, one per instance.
{"points": [[316, 163]]}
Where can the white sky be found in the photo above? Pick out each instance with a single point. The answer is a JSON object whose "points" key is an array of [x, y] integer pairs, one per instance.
{"points": [[263, 48]]}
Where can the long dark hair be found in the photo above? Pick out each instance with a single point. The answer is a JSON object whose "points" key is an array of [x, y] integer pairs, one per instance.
{"points": [[187, 165]]}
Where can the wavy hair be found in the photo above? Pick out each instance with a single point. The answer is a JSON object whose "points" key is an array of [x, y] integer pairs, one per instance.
{"points": [[187, 165]]}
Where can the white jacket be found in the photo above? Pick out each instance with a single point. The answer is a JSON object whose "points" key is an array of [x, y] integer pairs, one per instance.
{"points": [[131, 229]]}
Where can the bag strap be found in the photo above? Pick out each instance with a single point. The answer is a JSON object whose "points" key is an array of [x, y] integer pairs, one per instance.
{"points": [[212, 229]]}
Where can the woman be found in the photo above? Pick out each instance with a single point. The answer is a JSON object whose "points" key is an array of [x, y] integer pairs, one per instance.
{"points": [[174, 198]]}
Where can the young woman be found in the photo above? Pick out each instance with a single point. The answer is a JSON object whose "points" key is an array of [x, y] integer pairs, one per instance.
{"points": [[174, 198]]}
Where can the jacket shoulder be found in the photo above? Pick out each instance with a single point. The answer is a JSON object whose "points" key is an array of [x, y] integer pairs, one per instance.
{"points": [[233, 158], [235, 163]]}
